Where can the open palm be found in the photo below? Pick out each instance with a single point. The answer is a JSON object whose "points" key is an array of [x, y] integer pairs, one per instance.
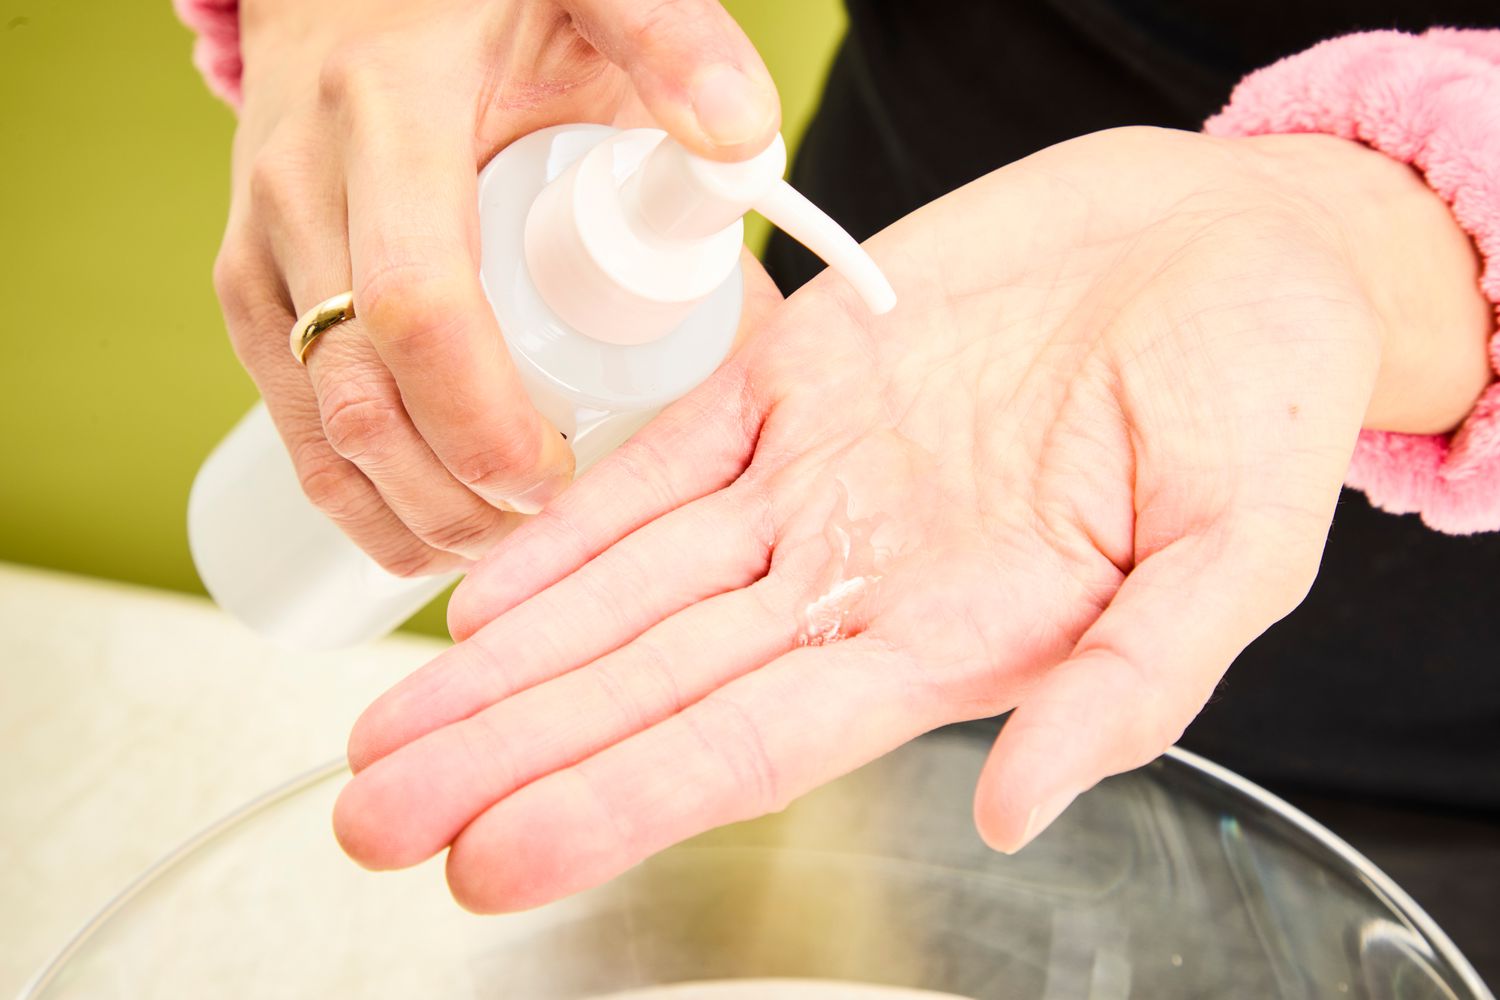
{"points": [[1091, 455]]}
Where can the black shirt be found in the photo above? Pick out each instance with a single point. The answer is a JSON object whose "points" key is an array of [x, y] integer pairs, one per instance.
{"points": [[1385, 684]]}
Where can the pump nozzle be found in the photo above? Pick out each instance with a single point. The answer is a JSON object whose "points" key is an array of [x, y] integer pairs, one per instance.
{"points": [[633, 236], [682, 196], [790, 211]]}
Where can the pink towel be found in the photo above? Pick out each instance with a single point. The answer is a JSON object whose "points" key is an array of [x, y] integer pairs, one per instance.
{"points": [[217, 51], [1432, 101]]}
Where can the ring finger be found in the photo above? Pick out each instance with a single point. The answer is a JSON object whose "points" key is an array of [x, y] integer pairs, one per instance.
{"points": [[360, 405], [256, 311]]}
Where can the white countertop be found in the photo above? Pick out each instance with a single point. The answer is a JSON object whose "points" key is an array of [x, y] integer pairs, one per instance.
{"points": [[129, 719]]}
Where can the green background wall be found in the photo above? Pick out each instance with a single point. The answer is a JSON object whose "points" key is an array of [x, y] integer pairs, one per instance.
{"points": [[115, 374]]}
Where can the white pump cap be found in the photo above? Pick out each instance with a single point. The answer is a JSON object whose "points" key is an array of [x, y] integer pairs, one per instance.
{"points": [[627, 241]]}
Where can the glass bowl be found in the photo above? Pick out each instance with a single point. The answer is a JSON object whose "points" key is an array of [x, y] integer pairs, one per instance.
{"points": [[1177, 880]]}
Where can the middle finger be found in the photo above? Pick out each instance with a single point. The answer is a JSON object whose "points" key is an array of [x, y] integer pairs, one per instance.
{"points": [[360, 405]]}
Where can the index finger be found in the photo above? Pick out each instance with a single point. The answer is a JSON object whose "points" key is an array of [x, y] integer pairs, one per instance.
{"points": [[693, 68], [413, 234]]}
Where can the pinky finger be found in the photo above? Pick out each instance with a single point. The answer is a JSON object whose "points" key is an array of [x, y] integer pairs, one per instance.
{"points": [[336, 487], [330, 482]]}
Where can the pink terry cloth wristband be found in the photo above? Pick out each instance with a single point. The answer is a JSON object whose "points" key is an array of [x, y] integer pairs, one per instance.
{"points": [[1432, 101], [217, 51]]}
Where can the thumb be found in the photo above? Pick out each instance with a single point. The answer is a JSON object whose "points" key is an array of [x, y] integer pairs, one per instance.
{"points": [[1139, 675], [693, 68]]}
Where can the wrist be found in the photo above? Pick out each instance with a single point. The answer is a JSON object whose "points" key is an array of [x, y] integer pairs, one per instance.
{"points": [[1416, 266]]}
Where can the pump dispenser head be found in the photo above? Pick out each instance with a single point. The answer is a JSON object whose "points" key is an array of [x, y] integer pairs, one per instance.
{"points": [[627, 241]]}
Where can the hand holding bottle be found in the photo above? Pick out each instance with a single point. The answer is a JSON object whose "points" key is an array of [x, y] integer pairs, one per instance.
{"points": [[1089, 457], [364, 125]]}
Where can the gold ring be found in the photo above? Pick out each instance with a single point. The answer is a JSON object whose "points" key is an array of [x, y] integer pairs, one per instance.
{"points": [[319, 320]]}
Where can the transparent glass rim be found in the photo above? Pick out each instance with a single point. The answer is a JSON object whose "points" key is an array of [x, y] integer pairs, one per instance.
{"points": [[1376, 879]]}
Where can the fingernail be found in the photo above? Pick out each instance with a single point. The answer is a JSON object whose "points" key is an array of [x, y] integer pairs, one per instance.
{"points": [[731, 109], [557, 458], [531, 501], [1042, 816]]}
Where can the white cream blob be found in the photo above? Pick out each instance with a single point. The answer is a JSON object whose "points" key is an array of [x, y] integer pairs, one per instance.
{"points": [[850, 577]]}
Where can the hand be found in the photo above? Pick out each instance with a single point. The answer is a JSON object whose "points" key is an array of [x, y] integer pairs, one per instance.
{"points": [[364, 125], [1092, 454]]}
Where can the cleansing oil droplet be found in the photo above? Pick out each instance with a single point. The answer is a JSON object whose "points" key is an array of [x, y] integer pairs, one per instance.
{"points": [[851, 575]]}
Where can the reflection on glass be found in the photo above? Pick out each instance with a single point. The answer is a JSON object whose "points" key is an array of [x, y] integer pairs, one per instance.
{"points": [[1174, 881]]}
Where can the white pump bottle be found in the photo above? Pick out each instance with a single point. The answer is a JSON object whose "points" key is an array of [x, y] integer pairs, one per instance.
{"points": [[611, 259]]}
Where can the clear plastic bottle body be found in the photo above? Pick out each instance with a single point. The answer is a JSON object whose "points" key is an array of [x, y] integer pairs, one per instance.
{"points": [[276, 563]]}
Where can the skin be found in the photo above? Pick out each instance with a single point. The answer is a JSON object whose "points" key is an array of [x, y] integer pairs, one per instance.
{"points": [[1102, 437], [363, 128]]}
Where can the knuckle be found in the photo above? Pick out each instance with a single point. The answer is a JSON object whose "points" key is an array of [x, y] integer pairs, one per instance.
{"points": [[633, 716], [646, 26], [654, 670], [647, 468], [233, 278], [461, 535], [228, 271], [331, 486], [604, 598], [361, 426], [737, 741], [498, 467], [489, 749], [409, 560], [349, 73], [409, 302], [272, 179], [639, 685], [1046, 724]]}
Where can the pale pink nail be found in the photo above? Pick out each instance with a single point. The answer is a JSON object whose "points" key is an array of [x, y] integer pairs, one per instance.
{"points": [[1042, 815], [532, 500], [731, 109]]}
